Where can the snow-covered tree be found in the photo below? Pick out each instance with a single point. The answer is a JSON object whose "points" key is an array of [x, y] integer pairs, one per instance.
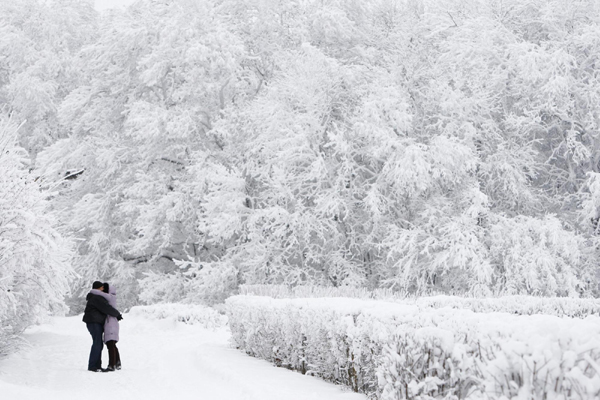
{"points": [[154, 82], [38, 43], [395, 144], [35, 258]]}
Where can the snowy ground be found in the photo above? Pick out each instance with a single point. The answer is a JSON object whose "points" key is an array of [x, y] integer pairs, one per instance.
{"points": [[161, 359]]}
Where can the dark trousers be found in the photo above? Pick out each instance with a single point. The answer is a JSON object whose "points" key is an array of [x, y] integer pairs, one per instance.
{"points": [[114, 359], [96, 330]]}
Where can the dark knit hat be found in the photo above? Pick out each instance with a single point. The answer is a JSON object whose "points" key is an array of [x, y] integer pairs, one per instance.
{"points": [[96, 285]]}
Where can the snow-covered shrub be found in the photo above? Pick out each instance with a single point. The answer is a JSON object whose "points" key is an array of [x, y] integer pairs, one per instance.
{"points": [[157, 288], [8, 340], [313, 339], [518, 304], [187, 313], [400, 351], [204, 283], [308, 291], [536, 256]]}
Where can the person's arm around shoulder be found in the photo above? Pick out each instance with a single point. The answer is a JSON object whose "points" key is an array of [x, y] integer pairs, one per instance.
{"points": [[107, 309]]}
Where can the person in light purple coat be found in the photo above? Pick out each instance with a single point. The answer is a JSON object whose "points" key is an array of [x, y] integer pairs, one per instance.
{"points": [[111, 331]]}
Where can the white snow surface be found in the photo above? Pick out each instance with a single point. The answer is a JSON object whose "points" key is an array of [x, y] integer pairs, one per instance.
{"points": [[101, 5], [162, 359]]}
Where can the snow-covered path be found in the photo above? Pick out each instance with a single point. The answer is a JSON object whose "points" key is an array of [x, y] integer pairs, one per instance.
{"points": [[162, 359]]}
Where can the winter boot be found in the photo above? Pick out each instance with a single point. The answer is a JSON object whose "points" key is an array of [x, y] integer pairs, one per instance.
{"points": [[98, 370]]}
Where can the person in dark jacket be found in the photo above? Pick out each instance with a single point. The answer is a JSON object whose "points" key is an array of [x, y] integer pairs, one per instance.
{"points": [[96, 310]]}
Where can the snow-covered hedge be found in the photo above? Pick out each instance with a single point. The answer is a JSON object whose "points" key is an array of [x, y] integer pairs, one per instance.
{"points": [[396, 351], [521, 305], [186, 313], [309, 291]]}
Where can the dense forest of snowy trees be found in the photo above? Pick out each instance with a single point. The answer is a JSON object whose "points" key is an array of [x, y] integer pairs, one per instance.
{"points": [[181, 148]]}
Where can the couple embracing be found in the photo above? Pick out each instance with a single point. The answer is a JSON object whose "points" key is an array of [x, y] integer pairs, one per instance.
{"points": [[102, 320]]}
